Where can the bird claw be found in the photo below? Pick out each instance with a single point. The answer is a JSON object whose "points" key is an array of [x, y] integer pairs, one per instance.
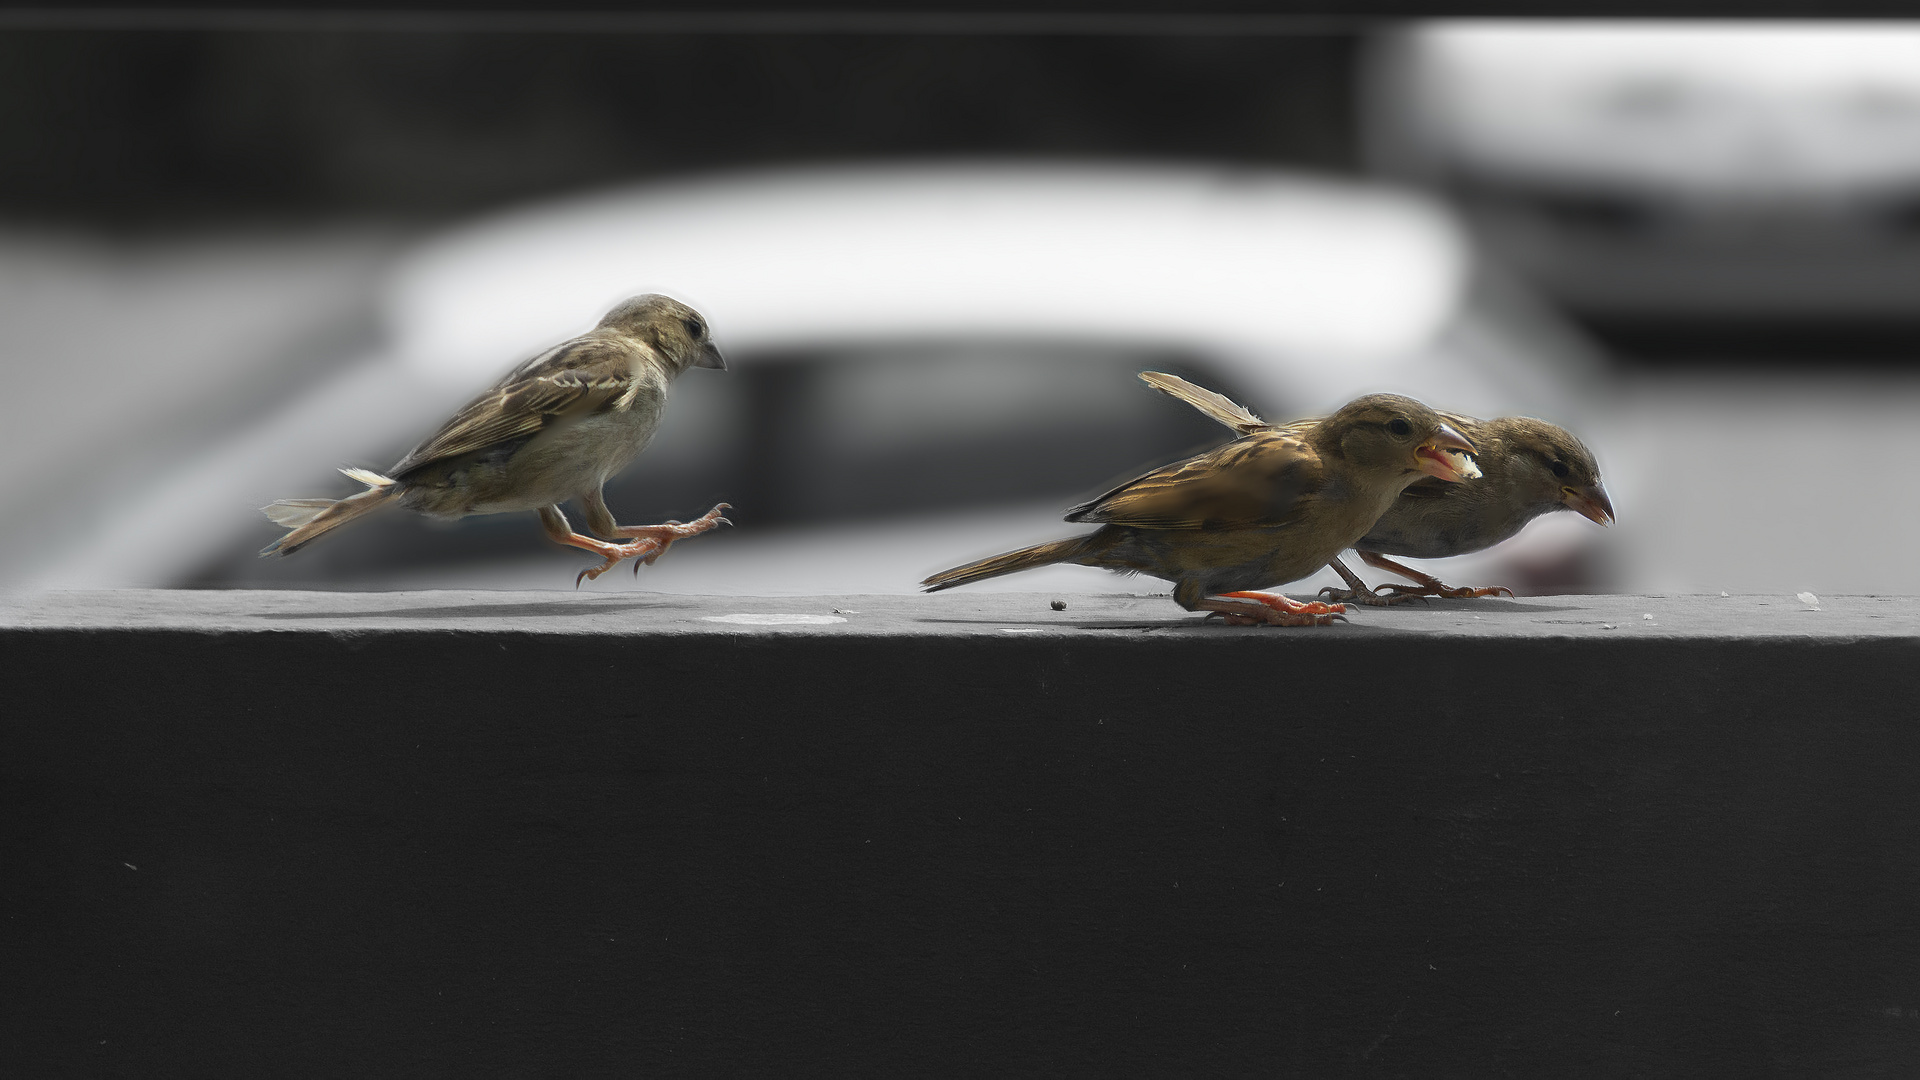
{"points": [[647, 549], [1445, 592], [637, 551], [648, 559], [1354, 596], [1276, 610], [1278, 602]]}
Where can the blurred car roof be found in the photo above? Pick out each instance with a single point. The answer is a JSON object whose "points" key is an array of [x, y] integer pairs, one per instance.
{"points": [[1216, 259]]}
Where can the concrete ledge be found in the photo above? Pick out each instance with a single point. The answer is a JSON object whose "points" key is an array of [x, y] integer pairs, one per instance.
{"points": [[600, 834], [950, 614]]}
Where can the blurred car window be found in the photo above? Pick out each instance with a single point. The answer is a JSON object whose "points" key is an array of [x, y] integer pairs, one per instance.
{"points": [[883, 431]]}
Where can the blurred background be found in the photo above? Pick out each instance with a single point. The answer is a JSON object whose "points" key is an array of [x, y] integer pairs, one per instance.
{"points": [[237, 255]]}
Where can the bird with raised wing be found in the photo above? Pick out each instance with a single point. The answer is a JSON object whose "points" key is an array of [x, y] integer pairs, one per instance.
{"points": [[555, 428], [1527, 468], [1263, 510]]}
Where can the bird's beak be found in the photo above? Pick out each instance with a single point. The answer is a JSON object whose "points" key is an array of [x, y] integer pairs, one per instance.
{"points": [[710, 357], [1590, 502], [1435, 456]]}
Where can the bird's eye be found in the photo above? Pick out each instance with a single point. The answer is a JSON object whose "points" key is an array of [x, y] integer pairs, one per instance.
{"points": [[693, 327], [1399, 427], [1560, 469]]}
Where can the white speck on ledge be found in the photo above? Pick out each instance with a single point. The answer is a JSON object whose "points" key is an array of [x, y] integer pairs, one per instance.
{"points": [[1807, 598]]}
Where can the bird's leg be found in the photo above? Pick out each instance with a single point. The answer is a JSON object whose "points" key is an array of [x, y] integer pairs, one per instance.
{"points": [[600, 520], [1271, 608], [560, 532], [1428, 585], [1357, 591]]}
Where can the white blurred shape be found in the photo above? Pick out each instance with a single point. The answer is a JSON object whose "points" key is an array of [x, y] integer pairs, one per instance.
{"points": [[162, 528], [1703, 110], [1765, 484], [1207, 259]]}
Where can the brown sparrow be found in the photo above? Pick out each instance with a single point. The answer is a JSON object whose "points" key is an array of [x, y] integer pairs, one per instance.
{"points": [[1528, 467], [1265, 509], [555, 428]]}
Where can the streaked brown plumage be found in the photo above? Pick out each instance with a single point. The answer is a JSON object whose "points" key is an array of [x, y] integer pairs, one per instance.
{"points": [[1528, 468], [1260, 511], [554, 428]]}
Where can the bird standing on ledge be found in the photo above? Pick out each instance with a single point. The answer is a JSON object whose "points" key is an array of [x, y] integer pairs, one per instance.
{"points": [[555, 428], [1263, 510], [1528, 467]]}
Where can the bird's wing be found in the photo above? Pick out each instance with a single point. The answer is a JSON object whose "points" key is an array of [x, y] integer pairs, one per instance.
{"points": [[570, 379], [1218, 406], [1258, 480]]}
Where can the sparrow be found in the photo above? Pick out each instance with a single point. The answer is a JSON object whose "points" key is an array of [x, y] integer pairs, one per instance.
{"points": [[1265, 509], [554, 428], [1527, 468]]}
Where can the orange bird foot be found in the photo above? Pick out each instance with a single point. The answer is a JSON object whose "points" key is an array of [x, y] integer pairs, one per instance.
{"points": [[1272, 609], [647, 550], [665, 534]]}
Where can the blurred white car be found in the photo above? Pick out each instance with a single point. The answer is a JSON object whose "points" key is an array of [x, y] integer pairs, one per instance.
{"points": [[1714, 172], [928, 362]]}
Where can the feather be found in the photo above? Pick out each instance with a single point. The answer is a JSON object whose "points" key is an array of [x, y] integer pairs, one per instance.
{"points": [[367, 476], [322, 519], [1054, 551], [580, 376], [293, 513], [1218, 406], [1254, 480]]}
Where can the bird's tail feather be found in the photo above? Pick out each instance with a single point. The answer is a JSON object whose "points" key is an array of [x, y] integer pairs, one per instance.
{"points": [[293, 513], [1054, 551], [311, 518], [1218, 406]]}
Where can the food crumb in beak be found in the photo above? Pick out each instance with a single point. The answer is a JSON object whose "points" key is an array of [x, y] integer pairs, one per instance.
{"points": [[1464, 464]]}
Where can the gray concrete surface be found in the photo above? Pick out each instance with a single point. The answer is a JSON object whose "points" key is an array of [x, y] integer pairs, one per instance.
{"points": [[954, 614]]}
